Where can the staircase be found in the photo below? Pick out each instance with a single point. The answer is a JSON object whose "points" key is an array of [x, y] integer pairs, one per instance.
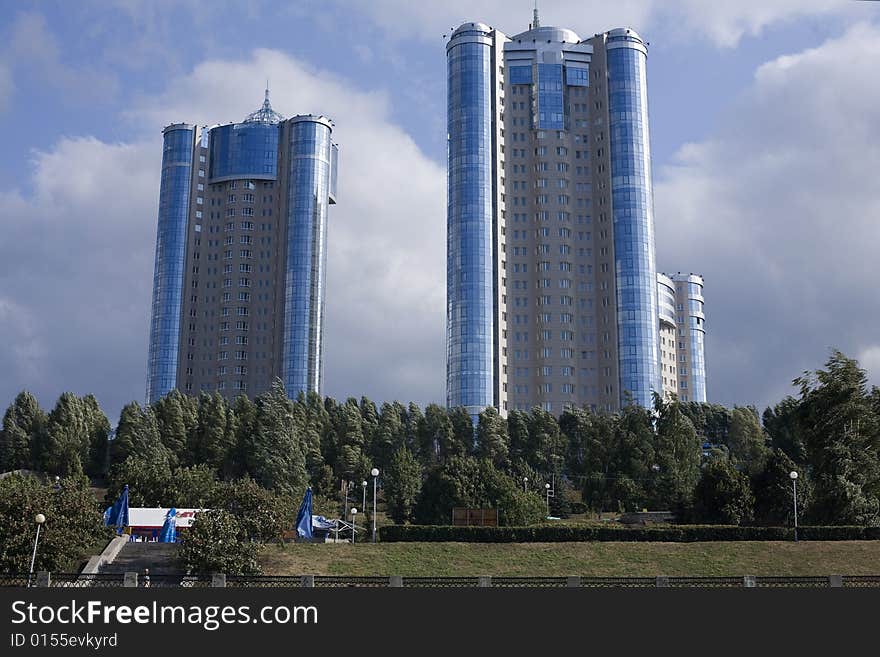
{"points": [[159, 558]]}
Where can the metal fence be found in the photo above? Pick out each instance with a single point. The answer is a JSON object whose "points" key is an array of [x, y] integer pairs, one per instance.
{"points": [[140, 580]]}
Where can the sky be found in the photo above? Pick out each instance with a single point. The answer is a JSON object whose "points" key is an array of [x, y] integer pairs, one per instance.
{"points": [[764, 118]]}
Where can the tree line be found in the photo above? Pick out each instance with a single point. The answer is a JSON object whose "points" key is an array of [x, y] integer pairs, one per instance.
{"points": [[706, 462]]}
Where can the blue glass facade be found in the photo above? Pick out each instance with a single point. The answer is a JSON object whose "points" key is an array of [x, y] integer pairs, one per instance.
{"points": [[697, 331], [470, 266], [244, 150], [633, 215], [551, 112], [308, 193], [174, 198]]}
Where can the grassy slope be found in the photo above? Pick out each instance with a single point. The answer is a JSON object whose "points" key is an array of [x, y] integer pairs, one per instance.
{"points": [[586, 559]]}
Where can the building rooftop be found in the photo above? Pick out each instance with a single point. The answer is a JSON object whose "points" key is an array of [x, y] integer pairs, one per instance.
{"points": [[265, 114]]}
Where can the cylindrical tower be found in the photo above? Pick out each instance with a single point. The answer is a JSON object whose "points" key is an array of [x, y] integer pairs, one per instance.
{"points": [[174, 199], [308, 195], [470, 252], [633, 214], [696, 337]]}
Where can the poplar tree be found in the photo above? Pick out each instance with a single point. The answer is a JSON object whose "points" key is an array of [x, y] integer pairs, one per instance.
{"points": [[23, 424]]}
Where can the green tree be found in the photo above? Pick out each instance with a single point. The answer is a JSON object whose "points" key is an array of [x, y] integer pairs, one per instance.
{"points": [[390, 434], [746, 440], [677, 453], [402, 483], [245, 413], [492, 438], [435, 433], [589, 455], [774, 494], [73, 527], [217, 542], [23, 424], [137, 434], [177, 418], [352, 464], [67, 438], [518, 434], [99, 431], [723, 495], [412, 427], [463, 434], [213, 436], [276, 460], [631, 457], [841, 432], [149, 482], [262, 514], [781, 425], [369, 422], [547, 447], [475, 483], [193, 486]]}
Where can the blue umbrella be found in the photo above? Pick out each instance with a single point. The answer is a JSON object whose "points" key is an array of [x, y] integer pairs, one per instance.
{"points": [[169, 529], [117, 515], [304, 517]]}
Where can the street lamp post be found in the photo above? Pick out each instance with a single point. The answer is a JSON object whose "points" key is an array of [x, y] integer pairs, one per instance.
{"points": [[39, 519], [549, 495], [364, 496], [525, 484], [354, 513], [375, 473], [794, 477]]}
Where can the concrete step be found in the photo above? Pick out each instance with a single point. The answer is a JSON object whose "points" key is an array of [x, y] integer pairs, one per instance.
{"points": [[159, 558]]}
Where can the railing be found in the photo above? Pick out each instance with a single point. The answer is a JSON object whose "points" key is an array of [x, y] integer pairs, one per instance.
{"points": [[141, 580]]}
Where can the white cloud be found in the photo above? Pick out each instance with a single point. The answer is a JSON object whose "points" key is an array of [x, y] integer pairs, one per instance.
{"points": [[722, 23], [81, 257], [76, 275], [869, 359], [780, 212], [34, 51]]}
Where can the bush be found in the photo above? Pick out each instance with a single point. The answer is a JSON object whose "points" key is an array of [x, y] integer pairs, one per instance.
{"points": [[217, 542], [262, 514], [73, 526], [672, 534]]}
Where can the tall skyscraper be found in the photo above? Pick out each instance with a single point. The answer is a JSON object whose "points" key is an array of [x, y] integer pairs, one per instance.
{"points": [[551, 277], [241, 250]]}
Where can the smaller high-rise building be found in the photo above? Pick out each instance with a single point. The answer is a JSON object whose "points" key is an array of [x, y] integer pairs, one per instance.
{"points": [[682, 330], [241, 250]]}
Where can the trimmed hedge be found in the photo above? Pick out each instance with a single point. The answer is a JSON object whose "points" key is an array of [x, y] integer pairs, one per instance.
{"points": [[671, 534]]}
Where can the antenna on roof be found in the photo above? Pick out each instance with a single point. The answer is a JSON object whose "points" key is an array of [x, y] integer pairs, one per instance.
{"points": [[535, 22]]}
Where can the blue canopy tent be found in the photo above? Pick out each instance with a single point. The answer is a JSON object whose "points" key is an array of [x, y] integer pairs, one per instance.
{"points": [[169, 529], [117, 515], [304, 517]]}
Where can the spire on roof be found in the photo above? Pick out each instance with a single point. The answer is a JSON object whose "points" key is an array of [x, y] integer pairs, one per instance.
{"points": [[265, 114]]}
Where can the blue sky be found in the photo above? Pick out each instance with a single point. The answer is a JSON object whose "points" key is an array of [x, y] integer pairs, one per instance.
{"points": [[764, 118]]}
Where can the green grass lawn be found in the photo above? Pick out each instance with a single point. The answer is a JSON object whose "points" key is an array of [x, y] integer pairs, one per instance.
{"points": [[734, 558]]}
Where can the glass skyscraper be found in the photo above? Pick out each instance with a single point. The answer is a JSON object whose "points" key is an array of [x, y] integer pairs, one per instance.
{"points": [[552, 288], [241, 249]]}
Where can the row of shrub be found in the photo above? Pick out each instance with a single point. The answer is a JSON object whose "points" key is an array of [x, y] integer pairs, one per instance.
{"points": [[672, 534]]}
